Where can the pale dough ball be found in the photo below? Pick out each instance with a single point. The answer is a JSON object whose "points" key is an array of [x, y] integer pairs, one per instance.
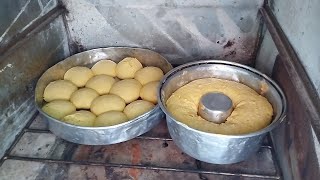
{"points": [[60, 89], [110, 118], [149, 92], [106, 67], [137, 108], [101, 83], [148, 74], [78, 75], [127, 67], [106, 103], [82, 98], [127, 89], [80, 118], [59, 108]]}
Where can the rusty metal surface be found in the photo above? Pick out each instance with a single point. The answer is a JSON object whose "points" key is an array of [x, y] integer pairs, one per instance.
{"points": [[17, 15], [150, 156], [180, 30], [293, 140], [20, 67]]}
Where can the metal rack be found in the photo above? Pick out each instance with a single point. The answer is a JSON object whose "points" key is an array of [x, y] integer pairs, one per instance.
{"points": [[150, 156]]}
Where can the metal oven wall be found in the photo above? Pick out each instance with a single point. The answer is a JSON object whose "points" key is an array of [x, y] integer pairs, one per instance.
{"points": [[25, 53], [181, 30]]}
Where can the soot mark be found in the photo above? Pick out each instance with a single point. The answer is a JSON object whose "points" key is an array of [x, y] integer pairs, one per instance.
{"points": [[229, 44]]}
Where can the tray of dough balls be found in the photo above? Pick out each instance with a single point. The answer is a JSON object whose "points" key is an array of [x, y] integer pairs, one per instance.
{"points": [[102, 96]]}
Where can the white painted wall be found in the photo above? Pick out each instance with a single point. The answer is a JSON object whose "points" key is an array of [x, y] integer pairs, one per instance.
{"points": [[300, 20]]}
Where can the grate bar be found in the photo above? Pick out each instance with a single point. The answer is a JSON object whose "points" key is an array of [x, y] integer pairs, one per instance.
{"points": [[17, 139], [198, 171]]}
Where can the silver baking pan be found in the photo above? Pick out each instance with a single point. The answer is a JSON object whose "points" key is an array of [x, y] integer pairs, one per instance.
{"points": [[218, 148], [101, 135]]}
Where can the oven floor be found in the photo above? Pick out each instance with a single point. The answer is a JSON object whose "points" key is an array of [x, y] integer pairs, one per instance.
{"points": [[39, 154]]}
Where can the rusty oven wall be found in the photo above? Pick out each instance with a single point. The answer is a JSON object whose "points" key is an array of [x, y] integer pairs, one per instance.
{"points": [[181, 30]]}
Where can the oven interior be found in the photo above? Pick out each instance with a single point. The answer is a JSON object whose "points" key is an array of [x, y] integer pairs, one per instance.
{"points": [[36, 34]]}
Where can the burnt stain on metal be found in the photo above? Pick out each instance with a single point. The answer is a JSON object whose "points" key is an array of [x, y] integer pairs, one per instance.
{"points": [[199, 166], [69, 151], [76, 47], [99, 154], [231, 53], [229, 44], [165, 144]]}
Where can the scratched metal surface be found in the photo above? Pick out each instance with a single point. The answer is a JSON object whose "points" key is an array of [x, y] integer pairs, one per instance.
{"points": [[180, 30], [153, 149], [17, 15], [20, 68]]}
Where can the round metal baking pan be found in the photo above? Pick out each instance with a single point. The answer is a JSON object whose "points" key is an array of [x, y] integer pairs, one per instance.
{"points": [[218, 148], [101, 135]]}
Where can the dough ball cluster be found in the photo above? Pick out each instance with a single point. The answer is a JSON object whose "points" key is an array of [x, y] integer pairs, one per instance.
{"points": [[105, 95]]}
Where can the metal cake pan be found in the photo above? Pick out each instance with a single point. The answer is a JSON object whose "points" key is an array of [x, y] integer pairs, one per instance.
{"points": [[101, 135], [218, 148]]}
